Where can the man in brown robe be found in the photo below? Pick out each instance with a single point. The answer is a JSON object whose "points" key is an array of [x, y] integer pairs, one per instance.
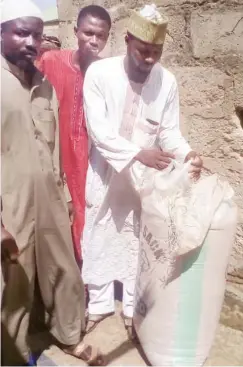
{"points": [[35, 225]]}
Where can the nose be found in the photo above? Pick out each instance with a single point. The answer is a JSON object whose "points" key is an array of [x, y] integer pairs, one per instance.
{"points": [[149, 60], [94, 41], [30, 41]]}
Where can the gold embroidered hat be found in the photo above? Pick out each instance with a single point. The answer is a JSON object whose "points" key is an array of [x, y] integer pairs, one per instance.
{"points": [[148, 25]]}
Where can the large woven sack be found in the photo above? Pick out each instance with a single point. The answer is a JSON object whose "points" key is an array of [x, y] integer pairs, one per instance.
{"points": [[187, 232]]}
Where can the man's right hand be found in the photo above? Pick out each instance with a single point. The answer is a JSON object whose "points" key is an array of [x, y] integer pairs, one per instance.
{"points": [[154, 158], [9, 248]]}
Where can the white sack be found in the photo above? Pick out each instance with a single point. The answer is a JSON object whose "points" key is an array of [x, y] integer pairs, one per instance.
{"points": [[187, 232]]}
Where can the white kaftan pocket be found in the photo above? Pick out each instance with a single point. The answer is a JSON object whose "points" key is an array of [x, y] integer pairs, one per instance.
{"points": [[145, 133]]}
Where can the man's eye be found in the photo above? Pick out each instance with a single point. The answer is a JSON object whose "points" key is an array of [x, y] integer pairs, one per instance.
{"points": [[101, 36], [22, 33], [156, 53], [143, 53]]}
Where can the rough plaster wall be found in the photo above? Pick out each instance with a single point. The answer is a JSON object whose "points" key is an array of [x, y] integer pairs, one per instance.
{"points": [[204, 48], [51, 29]]}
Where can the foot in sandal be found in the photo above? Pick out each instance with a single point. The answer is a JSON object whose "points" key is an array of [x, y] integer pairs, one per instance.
{"points": [[94, 320], [131, 333], [87, 353]]}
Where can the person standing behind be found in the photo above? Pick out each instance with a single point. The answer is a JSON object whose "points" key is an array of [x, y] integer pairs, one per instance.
{"points": [[65, 70], [49, 43]]}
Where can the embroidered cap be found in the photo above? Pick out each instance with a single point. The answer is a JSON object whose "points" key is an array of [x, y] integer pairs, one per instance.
{"points": [[148, 25]]}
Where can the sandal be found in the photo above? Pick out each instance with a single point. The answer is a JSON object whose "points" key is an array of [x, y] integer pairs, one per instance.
{"points": [[131, 333], [94, 320], [87, 353]]}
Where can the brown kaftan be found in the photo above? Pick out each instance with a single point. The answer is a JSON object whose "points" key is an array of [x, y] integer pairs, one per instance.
{"points": [[35, 213]]}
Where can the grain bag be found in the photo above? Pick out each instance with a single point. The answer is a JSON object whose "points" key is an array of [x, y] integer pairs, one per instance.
{"points": [[186, 236]]}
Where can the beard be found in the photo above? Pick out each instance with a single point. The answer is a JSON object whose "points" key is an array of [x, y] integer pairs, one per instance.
{"points": [[19, 60], [136, 67]]}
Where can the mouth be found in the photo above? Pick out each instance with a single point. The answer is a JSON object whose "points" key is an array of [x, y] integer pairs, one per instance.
{"points": [[146, 67], [93, 50], [30, 55], [145, 70]]}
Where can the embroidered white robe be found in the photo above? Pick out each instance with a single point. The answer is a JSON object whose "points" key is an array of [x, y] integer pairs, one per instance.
{"points": [[111, 234]]}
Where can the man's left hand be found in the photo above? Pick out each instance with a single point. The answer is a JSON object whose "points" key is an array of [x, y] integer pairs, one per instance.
{"points": [[70, 211], [196, 165], [9, 248]]}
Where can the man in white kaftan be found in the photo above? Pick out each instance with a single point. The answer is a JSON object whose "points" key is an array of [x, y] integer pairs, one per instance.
{"points": [[132, 111]]}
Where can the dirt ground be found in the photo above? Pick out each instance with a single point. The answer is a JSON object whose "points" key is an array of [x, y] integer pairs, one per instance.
{"points": [[111, 337]]}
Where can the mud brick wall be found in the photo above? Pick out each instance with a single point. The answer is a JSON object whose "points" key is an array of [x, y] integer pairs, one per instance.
{"points": [[204, 48]]}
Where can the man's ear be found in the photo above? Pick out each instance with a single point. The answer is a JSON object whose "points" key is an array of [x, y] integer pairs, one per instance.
{"points": [[75, 30]]}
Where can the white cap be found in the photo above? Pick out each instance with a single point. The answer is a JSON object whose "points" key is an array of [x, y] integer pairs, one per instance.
{"points": [[14, 9], [150, 12]]}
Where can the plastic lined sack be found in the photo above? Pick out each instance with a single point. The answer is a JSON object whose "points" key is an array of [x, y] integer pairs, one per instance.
{"points": [[186, 236]]}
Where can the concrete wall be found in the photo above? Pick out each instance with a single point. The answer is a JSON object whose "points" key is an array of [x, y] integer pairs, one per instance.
{"points": [[204, 49], [51, 28]]}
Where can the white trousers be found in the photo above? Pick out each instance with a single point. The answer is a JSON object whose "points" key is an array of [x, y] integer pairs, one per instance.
{"points": [[102, 299]]}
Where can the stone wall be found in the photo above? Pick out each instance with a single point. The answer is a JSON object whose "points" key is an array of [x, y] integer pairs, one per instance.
{"points": [[204, 48]]}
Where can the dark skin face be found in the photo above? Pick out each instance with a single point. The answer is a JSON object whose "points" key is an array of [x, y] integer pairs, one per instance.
{"points": [[21, 41], [92, 35], [141, 57]]}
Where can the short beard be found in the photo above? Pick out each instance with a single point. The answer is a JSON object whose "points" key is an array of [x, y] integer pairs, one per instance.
{"points": [[22, 64], [134, 72]]}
